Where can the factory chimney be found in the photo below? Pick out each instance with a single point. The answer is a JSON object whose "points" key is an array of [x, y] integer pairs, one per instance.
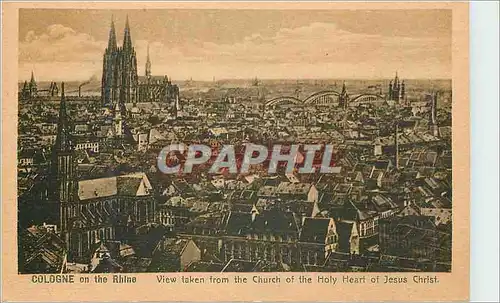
{"points": [[396, 145], [82, 84], [434, 126]]}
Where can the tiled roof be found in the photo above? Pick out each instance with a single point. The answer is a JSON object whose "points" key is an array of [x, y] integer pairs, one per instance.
{"points": [[314, 230], [293, 188], [274, 221], [97, 188]]}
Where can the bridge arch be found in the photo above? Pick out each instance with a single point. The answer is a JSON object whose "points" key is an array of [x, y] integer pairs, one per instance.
{"points": [[366, 98], [322, 97], [283, 99]]}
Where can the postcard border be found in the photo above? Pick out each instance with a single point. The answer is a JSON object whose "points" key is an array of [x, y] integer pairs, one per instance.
{"points": [[452, 287]]}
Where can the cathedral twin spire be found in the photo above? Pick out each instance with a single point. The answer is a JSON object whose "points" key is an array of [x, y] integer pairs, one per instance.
{"points": [[119, 80], [112, 36], [127, 38]]}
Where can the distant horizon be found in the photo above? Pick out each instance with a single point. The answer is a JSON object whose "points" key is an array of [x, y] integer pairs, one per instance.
{"points": [[240, 44], [259, 79]]}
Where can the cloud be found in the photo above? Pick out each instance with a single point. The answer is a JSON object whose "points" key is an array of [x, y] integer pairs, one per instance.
{"points": [[59, 44], [319, 50], [323, 43]]}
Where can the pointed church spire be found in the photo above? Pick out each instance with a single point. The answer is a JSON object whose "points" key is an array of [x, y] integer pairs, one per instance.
{"points": [[32, 86], [148, 65], [344, 98], [127, 39], [32, 81], [62, 139], [112, 36]]}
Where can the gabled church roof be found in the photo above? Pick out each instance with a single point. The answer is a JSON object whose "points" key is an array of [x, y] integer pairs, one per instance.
{"points": [[126, 185]]}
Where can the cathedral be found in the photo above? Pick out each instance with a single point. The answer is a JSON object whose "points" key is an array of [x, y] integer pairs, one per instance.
{"points": [[29, 90], [120, 81], [396, 90]]}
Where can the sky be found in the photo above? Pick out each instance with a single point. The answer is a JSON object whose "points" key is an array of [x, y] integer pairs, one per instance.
{"points": [[68, 44]]}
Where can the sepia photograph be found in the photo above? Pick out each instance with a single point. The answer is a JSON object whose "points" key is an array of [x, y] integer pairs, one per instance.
{"points": [[232, 140], [94, 116]]}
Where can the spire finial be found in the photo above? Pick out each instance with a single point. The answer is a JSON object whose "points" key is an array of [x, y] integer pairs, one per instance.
{"points": [[63, 137], [148, 64], [127, 39], [112, 35]]}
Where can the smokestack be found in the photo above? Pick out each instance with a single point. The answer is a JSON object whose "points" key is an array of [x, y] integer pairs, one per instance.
{"points": [[84, 83], [433, 109], [80, 88], [396, 145], [435, 127]]}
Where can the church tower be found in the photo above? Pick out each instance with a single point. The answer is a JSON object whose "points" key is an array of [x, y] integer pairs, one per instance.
{"points": [[62, 166], [119, 72], [109, 83], [148, 66], [402, 92], [129, 68], [396, 89], [33, 87], [343, 97]]}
